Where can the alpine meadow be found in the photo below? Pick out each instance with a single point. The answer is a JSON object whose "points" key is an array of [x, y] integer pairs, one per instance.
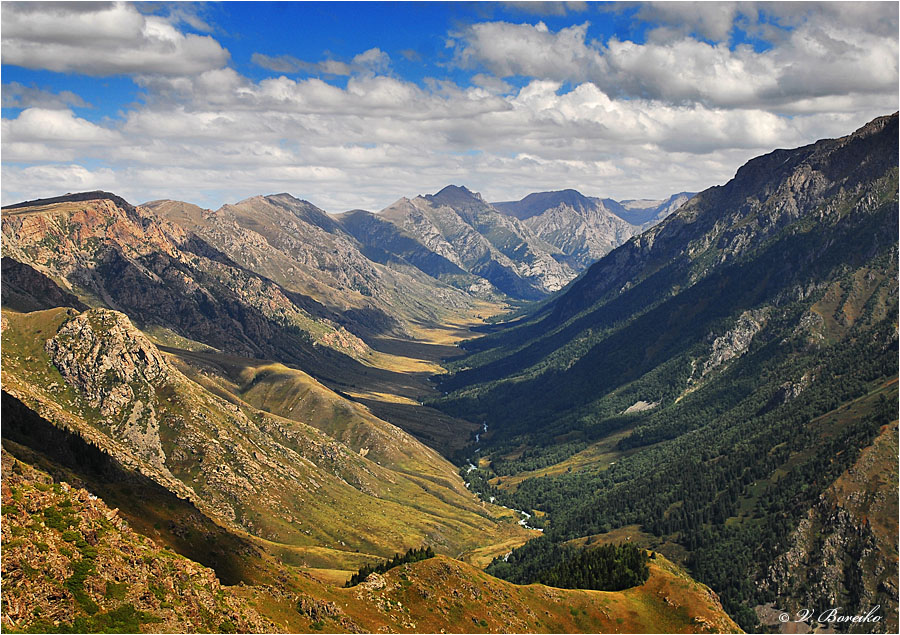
{"points": [[457, 317]]}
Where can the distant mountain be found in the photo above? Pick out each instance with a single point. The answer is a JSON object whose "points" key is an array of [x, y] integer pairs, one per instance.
{"points": [[306, 251], [646, 212], [460, 226], [587, 228], [710, 385], [386, 243]]}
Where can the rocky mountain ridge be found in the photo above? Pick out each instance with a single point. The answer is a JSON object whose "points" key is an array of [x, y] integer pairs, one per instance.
{"points": [[461, 227], [587, 228]]}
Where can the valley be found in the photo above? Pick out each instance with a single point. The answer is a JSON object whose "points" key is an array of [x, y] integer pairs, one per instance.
{"points": [[213, 418]]}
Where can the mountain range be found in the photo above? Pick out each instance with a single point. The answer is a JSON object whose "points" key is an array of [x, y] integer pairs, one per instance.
{"points": [[262, 399]]}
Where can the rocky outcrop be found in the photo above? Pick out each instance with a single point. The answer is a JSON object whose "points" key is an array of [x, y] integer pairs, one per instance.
{"points": [[843, 553], [736, 341]]}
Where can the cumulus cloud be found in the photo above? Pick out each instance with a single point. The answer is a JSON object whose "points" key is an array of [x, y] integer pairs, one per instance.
{"points": [[44, 124], [102, 39], [818, 57]]}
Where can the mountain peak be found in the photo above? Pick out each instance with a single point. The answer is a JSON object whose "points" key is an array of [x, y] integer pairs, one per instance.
{"points": [[539, 202], [456, 195]]}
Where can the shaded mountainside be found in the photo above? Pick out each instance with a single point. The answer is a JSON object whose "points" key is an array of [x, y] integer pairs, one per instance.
{"points": [[683, 384], [386, 243]]}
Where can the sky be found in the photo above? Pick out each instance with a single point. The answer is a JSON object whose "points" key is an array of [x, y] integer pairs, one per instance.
{"points": [[354, 105]]}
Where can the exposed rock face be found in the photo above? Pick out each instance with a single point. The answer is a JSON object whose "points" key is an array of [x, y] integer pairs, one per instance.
{"points": [[100, 352], [736, 341], [584, 233], [461, 227], [117, 369]]}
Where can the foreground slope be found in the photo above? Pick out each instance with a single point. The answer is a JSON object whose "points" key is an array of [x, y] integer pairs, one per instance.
{"points": [[696, 382], [123, 581], [72, 564]]}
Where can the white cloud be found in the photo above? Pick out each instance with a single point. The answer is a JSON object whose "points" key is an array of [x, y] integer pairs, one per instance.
{"points": [[818, 57], [59, 126], [102, 39]]}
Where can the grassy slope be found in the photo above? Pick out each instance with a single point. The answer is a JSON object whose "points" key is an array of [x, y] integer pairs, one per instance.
{"points": [[71, 563], [445, 595]]}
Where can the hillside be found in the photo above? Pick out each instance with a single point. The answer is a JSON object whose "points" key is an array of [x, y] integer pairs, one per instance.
{"points": [[682, 384], [123, 581], [95, 376]]}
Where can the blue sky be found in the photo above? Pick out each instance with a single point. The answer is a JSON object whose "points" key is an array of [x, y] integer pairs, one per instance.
{"points": [[354, 105]]}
